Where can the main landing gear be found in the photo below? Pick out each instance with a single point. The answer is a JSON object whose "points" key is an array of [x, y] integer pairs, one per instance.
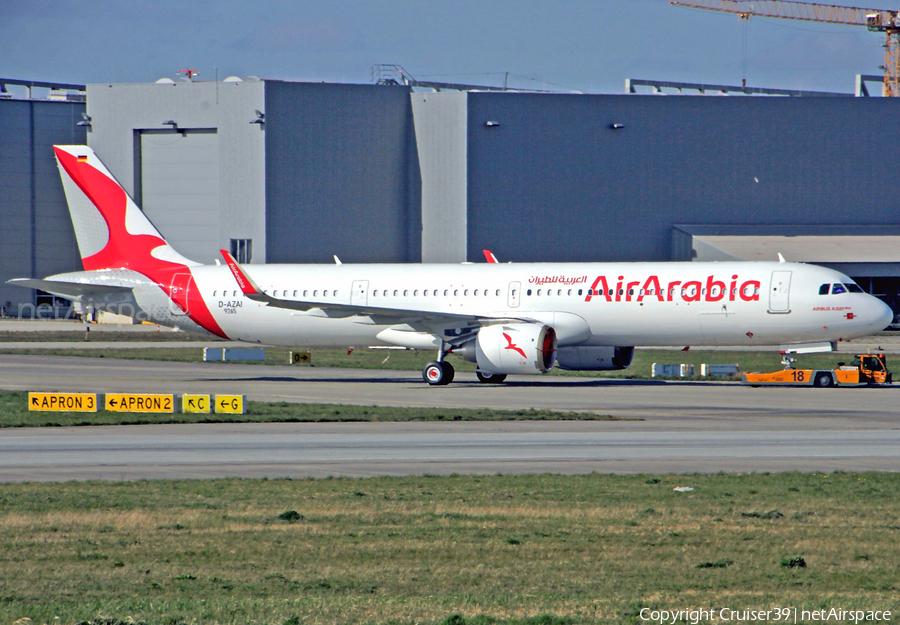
{"points": [[438, 373]]}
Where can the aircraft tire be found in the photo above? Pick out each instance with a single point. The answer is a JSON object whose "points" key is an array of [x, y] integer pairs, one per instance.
{"points": [[823, 380], [489, 378], [433, 373], [449, 372], [438, 373]]}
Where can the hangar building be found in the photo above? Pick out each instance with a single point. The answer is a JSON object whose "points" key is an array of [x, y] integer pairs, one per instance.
{"points": [[298, 172], [37, 235]]}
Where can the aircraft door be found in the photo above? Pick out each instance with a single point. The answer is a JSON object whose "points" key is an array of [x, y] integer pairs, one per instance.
{"points": [[512, 299], [780, 292], [359, 293], [179, 292]]}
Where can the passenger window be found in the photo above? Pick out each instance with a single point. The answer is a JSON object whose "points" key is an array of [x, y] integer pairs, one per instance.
{"points": [[405, 292], [538, 291], [528, 292], [305, 292], [316, 293], [445, 292], [295, 293], [466, 292], [570, 291], [837, 288], [416, 293], [579, 291], [823, 290]]}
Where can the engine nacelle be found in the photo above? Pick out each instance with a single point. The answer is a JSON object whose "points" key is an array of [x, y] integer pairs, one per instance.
{"points": [[515, 348], [590, 358]]}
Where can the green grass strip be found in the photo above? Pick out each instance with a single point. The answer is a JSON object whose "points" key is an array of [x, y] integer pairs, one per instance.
{"points": [[536, 550], [14, 413]]}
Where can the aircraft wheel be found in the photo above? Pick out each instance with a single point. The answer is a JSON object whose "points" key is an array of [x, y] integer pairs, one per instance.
{"points": [[438, 373], [490, 378], [449, 372], [823, 380]]}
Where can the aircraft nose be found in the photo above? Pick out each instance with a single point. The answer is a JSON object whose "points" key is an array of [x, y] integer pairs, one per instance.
{"points": [[882, 315]]}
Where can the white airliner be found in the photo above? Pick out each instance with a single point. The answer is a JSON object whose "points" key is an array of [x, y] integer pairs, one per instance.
{"points": [[507, 318]]}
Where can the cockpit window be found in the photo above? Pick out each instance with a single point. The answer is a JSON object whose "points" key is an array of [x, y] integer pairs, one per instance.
{"points": [[838, 288], [853, 287], [823, 290]]}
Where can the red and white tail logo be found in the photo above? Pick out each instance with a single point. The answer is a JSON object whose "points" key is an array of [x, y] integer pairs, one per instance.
{"points": [[113, 233]]}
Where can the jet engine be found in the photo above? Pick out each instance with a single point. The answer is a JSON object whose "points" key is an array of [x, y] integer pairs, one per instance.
{"points": [[513, 348], [591, 358]]}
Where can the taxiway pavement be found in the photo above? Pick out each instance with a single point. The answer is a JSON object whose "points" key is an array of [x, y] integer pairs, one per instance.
{"points": [[676, 426]]}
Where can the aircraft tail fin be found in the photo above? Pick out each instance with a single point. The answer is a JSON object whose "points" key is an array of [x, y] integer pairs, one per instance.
{"points": [[111, 230]]}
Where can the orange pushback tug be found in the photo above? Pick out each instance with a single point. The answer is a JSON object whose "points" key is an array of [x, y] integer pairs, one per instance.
{"points": [[866, 369]]}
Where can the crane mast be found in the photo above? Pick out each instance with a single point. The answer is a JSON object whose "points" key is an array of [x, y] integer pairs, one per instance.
{"points": [[876, 20]]}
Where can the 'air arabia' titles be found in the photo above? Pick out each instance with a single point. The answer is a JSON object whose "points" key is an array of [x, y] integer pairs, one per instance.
{"points": [[710, 290]]}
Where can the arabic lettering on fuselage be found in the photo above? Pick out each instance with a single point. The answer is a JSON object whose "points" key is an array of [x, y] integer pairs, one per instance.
{"points": [[562, 280]]}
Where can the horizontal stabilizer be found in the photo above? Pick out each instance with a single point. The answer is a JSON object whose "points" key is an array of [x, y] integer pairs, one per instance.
{"points": [[70, 290]]}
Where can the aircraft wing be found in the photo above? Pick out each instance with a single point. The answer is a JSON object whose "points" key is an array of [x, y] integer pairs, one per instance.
{"points": [[440, 323], [70, 290]]}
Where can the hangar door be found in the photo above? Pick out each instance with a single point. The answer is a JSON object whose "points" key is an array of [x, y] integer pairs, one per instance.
{"points": [[179, 188]]}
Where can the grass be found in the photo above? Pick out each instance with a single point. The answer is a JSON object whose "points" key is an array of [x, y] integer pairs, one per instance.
{"points": [[575, 549], [14, 413], [409, 360]]}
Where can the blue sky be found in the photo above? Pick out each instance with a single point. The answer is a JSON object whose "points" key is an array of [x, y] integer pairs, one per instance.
{"points": [[571, 45]]}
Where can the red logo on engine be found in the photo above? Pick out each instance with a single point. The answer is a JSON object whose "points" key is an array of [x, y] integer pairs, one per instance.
{"points": [[513, 346]]}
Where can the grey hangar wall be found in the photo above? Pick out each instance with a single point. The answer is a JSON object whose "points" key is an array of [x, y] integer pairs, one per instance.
{"points": [[382, 174], [555, 182]]}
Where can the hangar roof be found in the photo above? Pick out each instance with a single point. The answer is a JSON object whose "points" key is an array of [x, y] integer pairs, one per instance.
{"points": [[858, 250], [806, 249]]}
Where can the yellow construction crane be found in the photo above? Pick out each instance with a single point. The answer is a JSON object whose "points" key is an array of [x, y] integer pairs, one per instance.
{"points": [[876, 20]]}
